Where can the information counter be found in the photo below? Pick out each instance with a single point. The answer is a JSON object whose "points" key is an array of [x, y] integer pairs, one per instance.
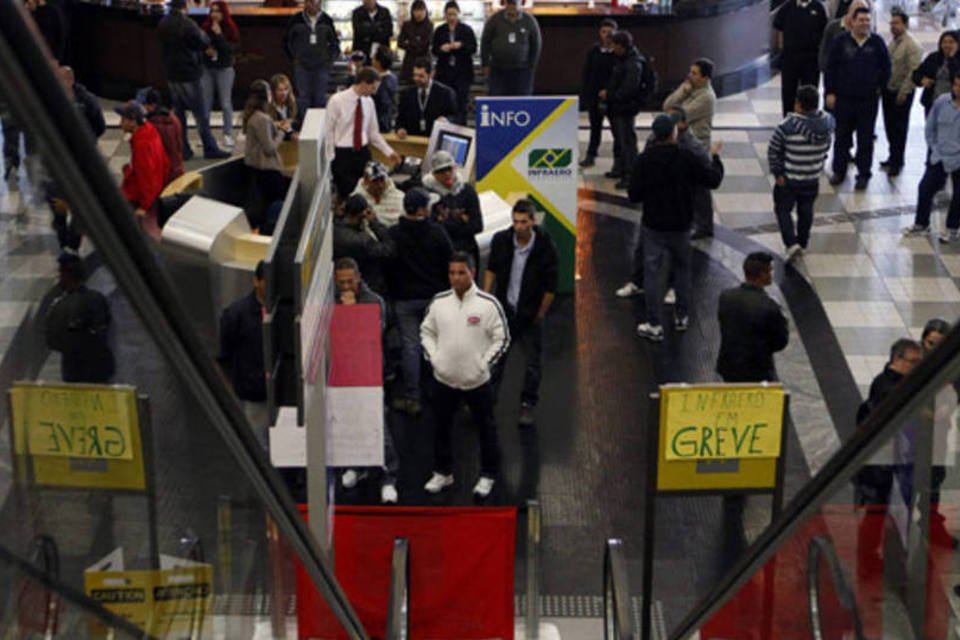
{"points": [[115, 49]]}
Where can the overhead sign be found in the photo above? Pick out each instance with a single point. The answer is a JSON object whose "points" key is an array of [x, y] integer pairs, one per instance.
{"points": [[719, 437], [78, 435], [527, 147]]}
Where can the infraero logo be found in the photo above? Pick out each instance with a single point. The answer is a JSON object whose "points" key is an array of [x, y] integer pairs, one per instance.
{"points": [[549, 163], [490, 118], [549, 158]]}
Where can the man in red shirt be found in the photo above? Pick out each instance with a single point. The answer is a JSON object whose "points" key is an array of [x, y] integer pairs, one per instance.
{"points": [[146, 175]]}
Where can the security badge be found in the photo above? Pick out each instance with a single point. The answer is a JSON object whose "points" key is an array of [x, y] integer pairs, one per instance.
{"points": [[313, 38]]}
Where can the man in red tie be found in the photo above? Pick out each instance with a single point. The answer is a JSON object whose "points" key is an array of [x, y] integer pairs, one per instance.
{"points": [[351, 127]]}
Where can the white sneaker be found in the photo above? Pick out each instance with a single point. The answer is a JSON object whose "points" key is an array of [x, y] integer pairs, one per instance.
{"points": [[228, 141], [650, 332], [629, 290], [483, 487], [438, 482], [915, 230], [670, 297], [350, 478], [950, 235], [388, 494], [793, 252]]}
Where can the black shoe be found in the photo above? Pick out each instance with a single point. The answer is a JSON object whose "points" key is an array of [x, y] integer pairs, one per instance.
{"points": [[188, 154], [527, 417], [861, 183], [622, 183], [699, 234], [613, 173], [885, 164], [588, 161], [837, 178], [216, 154]]}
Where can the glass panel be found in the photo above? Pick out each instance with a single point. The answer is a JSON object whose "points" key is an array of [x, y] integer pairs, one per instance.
{"points": [[124, 472], [877, 559]]}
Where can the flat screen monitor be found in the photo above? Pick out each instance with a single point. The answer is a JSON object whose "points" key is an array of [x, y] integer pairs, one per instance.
{"points": [[459, 141]]}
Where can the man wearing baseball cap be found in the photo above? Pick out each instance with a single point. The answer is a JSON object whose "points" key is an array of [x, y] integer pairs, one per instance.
{"points": [[145, 176], [418, 273], [663, 180], [381, 193], [456, 204]]}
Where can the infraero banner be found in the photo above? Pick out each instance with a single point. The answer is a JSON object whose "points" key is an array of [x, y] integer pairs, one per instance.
{"points": [[527, 147]]}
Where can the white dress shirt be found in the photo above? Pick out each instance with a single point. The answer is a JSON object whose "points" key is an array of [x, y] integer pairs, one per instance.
{"points": [[341, 108]]}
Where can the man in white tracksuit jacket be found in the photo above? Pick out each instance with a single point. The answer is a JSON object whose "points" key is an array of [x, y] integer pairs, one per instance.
{"points": [[463, 335]]}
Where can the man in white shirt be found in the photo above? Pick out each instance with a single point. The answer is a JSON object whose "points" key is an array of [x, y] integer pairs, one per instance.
{"points": [[463, 335], [351, 128]]}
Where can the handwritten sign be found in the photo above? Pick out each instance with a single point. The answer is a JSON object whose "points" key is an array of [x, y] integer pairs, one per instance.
{"points": [[722, 423]]}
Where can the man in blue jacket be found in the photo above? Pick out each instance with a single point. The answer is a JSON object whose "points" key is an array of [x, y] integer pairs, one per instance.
{"points": [[858, 68]]}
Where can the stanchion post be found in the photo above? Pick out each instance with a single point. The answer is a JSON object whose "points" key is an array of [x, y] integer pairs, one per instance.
{"points": [[532, 627]]}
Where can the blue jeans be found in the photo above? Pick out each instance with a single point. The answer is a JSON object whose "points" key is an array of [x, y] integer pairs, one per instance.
{"points": [[410, 314], [311, 88], [511, 82], [658, 246], [222, 81], [934, 179], [188, 96]]}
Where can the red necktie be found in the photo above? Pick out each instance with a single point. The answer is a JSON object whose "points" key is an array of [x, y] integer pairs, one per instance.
{"points": [[358, 127]]}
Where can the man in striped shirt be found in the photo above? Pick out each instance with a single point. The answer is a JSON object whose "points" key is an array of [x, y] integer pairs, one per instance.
{"points": [[796, 153]]}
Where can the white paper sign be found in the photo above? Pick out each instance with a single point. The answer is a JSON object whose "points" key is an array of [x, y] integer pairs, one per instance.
{"points": [[355, 426]]}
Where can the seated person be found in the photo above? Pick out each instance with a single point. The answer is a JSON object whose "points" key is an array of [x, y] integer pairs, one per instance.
{"points": [[424, 103], [283, 107], [455, 204], [359, 235], [381, 193]]}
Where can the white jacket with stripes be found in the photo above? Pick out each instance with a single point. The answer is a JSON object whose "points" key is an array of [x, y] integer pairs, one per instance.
{"points": [[464, 338]]}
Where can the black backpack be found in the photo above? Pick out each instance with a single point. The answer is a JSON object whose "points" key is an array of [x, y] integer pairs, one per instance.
{"points": [[648, 79]]}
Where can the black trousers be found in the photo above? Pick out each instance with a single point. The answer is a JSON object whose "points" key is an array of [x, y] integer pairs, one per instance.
{"points": [[597, 112], [625, 139], [347, 168], [858, 115], [803, 195], [793, 73], [272, 186], [529, 338], [702, 210], [446, 401], [896, 122]]}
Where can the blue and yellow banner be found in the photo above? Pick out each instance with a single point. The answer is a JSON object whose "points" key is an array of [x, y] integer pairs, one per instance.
{"points": [[527, 148]]}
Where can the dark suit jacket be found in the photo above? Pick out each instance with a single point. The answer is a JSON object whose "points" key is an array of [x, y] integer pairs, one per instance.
{"points": [[441, 102], [752, 329], [367, 30]]}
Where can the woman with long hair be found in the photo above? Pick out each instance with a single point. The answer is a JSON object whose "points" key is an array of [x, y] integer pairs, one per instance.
{"points": [[218, 63], [935, 73], [414, 38], [283, 105], [261, 151]]}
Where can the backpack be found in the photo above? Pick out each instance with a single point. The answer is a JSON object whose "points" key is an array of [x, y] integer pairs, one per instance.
{"points": [[648, 79]]}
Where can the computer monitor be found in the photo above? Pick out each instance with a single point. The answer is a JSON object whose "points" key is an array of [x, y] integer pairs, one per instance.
{"points": [[459, 141]]}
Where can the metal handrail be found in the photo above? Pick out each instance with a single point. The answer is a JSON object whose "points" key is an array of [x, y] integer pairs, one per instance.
{"points": [[617, 622], [31, 89], [532, 619], [821, 546], [398, 606]]}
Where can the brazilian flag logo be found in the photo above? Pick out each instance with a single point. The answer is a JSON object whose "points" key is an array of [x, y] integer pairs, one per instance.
{"points": [[550, 158]]}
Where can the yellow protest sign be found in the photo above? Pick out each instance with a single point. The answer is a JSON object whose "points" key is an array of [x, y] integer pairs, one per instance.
{"points": [[720, 423], [78, 435], [719, 437]]}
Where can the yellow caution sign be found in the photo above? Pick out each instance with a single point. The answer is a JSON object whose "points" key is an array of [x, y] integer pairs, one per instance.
{"points": [[167, 603], [78, 435], [719, 436]]}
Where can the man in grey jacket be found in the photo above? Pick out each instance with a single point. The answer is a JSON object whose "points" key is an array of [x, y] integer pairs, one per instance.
{"points": [[312, 45], [509, 50], [897, 97]]}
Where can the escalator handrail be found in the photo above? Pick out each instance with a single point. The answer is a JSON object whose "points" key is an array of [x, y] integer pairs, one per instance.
{"points": [[821, 546], [617, 621], [80, 600], [936, 370], [108, 221], [398, 605]]}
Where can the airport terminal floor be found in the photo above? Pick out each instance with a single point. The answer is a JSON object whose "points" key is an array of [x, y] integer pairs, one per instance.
{"points": [[858, 287]]}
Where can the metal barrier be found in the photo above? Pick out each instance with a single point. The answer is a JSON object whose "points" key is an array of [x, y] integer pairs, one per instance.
{"points": [[532, 622], [617, 622], [398, 606], [821, 546]]}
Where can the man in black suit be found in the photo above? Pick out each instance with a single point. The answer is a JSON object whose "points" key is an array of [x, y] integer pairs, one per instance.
{"points": [[424, 103]]}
